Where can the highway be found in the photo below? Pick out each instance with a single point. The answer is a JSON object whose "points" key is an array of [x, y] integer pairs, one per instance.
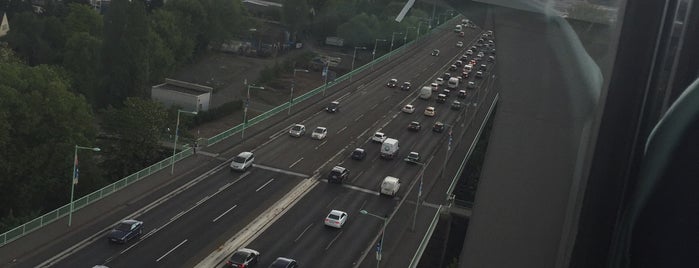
{"points": [[184, 226]]}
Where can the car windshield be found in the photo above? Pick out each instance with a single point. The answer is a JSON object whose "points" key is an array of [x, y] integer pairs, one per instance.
{"points": [[318, 130], [239, 257], [125, 227], [239, 159], [296, 128], [334, 217], [332, 105]]}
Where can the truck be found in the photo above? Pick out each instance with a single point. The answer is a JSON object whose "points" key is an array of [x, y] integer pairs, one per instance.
{"points": [[453, 83], [389, 148], [425, 93], [390, 186], [334, 41]]}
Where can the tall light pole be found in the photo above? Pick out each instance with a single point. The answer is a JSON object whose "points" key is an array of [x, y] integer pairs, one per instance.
{"points": [[373, 53], [245, 109], [379, 247], [418, 29], [446, 154], [177, 129], [405, 37], [393, 37], [293, 83], [354, 56], [74, 179], [419, 194]]}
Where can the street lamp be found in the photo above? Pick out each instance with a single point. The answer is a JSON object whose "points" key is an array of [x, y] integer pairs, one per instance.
{"points": [[354, 56], [418, 29], [293, 83], [393, 36], [419, 193], [373, 53], [405, 37], [177, 129], [379, 247], [74, 181], [245, 109]]}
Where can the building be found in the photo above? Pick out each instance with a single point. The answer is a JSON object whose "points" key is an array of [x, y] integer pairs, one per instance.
{"points": [[188, 96], [4, 25]]}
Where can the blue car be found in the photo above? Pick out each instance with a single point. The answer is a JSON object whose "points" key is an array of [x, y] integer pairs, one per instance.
{"points": [[125, 231]]}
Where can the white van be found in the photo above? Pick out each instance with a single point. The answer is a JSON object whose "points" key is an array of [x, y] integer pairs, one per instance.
{"points": [[389, 148], [468, 68], [242, 162], [453, 82], [425, 93], [390, 186]]}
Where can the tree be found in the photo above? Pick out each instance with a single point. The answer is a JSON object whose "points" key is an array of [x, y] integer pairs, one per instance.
{"points": [[82, 61], [295, 14], [82, 18], [360, 30], [25, 37], [171, 31], [136, 128]]}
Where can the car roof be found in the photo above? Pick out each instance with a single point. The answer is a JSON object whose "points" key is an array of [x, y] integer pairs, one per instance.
{"points": [[415, 122], [335, 102], [130, 221], [379, 133], [249, 250], [359, 149], [321, 128], [245, 154], [408, 105], [414, 153], [337, 212], [338, 168]]}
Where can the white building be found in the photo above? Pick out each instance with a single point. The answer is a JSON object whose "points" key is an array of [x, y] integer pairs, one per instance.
{"points": [[189, 96], [4, 25]]}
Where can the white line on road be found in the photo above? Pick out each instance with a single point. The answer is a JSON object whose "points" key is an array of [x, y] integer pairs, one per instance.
{"points": [[332, 241], [360, 189], [178, 245], [373, 107], [280, 171], [297, 161], [304, 231], [224, 213], [263, 186], [386, 98], [204, 199], [360, 135], [331, 202], [342, 129], [359, 117], [321, 144]]}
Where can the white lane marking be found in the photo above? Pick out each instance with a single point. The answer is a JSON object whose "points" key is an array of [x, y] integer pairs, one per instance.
{"points": [[359, 117], [263, 186], [360, 189], [321, 144], [224, 213], [178, 245], [358, 175], [360, 135], [342, 129], [204, 199], [280, 171], [386, 98], [304, 231], [374, 107], [297, 161], [331, 202], [332, 241]]}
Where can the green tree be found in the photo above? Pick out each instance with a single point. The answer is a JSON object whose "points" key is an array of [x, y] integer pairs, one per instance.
{"points": [[82, 18], [295, 15], [191, 19], [82, 61], [172, 32], [136, 128], [25, 37], [360, 30]]}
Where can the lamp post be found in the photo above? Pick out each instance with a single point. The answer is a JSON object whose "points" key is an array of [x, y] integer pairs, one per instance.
{"points": [[419, 194], [177, 129], [373, 53], [418, 29], [379, 248], [245, 110], [74, 179], [354, 56], [405, 37], [393, 37], [293, 83]]}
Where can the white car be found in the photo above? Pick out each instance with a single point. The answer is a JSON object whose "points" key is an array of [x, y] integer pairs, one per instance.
{"points": [[243, 161], [439, 81], [469, 52], [319, 133], [409, 109], [471, 85], [434, 87], [378, 137], [459, 44], [480, 55], [336, 218], [297, 130], [429, 111]]}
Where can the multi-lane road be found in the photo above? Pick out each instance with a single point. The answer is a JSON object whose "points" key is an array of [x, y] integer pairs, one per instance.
{"points": [[184, 226]]}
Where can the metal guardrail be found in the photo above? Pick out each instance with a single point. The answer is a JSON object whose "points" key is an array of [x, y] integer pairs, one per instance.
{"points": [[421, 248]]}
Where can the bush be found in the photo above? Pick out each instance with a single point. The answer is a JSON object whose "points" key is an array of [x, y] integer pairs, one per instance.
{"points": [[218, 112]]}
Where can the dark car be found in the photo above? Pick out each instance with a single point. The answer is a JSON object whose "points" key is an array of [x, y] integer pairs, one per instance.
{"points": [[438, 127], [462, 94], [125, 231], [413, 158], [358, 154], [243, 258], [282, 262], [414, 126], [333, 107], [392, 83], [483, 67], [405, 86], [446, 76], [456, 105], [453, 67], [338, 174]]}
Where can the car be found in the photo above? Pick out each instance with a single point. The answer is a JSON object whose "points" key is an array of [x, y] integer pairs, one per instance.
{"points": [[379, 137], [282, 262], [243, 258], [453, 67], [392, 83], [358, 154], [483, 67], [412, 157], [462, 94], [429, 111], [491, 42], [459, 44], [438, 127], [462, 34], [471, 85], [441, 98], [456, 105], [479, 74], [125, 231], [434, 86], [333, 107], [439, 81], [463, 57], [491, 58], [469, 52], [338, 174], [459, 63], [489, 32], [435, 52], [297, 130], [335, 218], [414, 126], [243, 161], [492, 51], [319, 133], [464, 74], [480, 54], [473, 48], [446, 92], [446, 76], [408, 109], [405, 86]]}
